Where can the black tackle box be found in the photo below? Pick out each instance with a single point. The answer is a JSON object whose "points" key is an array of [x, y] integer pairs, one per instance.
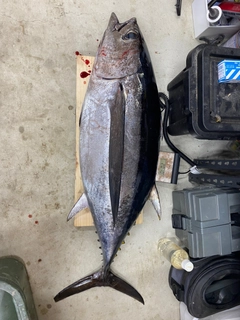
{"points": [[199, 104]]}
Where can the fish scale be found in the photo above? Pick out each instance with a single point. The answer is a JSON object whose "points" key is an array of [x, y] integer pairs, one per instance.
{"points": [[119, 139]]}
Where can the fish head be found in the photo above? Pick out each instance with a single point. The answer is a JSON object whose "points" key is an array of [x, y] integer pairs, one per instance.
{"points": [[119, 50]]}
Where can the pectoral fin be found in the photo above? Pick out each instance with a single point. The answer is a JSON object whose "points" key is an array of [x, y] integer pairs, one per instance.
{"points": [[81, 204], [154, 198]]}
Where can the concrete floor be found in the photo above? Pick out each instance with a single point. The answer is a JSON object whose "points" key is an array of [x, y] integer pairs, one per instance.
{"points": [[37, 123]]}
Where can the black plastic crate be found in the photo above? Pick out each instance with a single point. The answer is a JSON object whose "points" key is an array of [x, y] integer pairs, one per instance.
{"points": [[199, 104]]}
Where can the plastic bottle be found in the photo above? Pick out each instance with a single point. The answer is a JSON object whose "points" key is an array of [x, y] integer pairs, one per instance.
{"points": [[178, 257]]}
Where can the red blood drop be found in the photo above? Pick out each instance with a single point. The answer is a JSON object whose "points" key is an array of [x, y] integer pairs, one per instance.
{"points": [[29, 216], [36, 222], [77, 53], [87, 62], [84, 74]]}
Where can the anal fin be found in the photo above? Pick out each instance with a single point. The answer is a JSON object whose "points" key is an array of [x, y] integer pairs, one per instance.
{"points": [[81, 204]]}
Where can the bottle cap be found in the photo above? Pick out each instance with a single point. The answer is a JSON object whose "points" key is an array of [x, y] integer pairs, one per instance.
{"points": [[187, 265]]}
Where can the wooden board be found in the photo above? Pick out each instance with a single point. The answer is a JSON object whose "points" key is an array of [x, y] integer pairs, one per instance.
{"points": [[84, 68]]}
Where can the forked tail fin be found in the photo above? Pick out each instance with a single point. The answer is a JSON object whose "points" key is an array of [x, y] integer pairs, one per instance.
{"points": [[99, 279]]}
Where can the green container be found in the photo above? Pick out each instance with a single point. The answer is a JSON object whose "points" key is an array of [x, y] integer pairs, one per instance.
{"points": [[16, 300]]}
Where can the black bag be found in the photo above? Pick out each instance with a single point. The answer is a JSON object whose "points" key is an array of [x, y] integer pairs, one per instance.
{"points": [[212, 286]]}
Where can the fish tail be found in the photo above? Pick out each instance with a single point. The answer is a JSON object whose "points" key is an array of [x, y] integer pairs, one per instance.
{"points": [[99, 279]]}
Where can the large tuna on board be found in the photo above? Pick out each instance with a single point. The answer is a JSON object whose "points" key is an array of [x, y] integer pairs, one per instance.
{"points": [[119, 145]]}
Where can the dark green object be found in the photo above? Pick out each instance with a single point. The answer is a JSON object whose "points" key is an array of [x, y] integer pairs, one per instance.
{"points": [[16, 301]]}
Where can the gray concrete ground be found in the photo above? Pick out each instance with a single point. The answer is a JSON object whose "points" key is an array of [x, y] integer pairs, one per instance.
{"points": [[37, 158]]}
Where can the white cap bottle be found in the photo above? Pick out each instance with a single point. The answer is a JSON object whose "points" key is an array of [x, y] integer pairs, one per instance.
{"points": [[177, 256]]}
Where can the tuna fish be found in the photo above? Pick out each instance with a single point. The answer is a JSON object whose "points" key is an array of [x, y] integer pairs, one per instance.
{"points": [[119, 146]]}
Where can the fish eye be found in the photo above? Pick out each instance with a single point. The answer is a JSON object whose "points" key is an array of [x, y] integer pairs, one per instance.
{"points": [[131, 35]]}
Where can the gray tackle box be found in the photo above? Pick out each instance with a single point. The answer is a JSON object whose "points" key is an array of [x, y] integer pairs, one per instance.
{"points": [[207, 220]]}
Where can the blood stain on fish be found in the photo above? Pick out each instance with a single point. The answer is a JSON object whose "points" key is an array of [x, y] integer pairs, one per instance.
{"points": [[124, 53]]}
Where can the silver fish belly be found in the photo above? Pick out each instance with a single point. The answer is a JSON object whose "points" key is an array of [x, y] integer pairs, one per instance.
{"points": [[119, 142]]}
